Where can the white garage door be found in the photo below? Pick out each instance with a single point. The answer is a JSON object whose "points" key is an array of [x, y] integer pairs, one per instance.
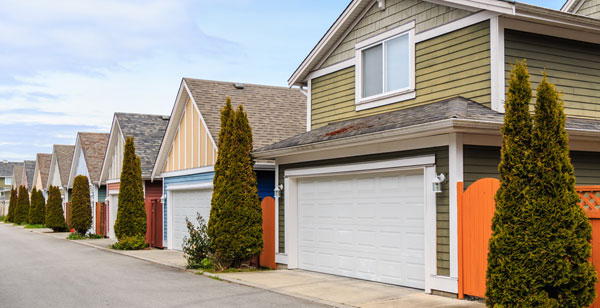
{"points": [[368, 226], [186, 203]]}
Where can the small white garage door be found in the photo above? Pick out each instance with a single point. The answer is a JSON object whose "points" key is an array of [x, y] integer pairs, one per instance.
{"points": [[186, 203], [367, 226]]}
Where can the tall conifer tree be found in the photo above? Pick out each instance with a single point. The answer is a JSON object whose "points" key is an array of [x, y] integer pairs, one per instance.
{"points": [[12, 205], [37, 207], [507, 280], [559, 230], [55, 217], [81, 208], [131, 212], [22, 212]]}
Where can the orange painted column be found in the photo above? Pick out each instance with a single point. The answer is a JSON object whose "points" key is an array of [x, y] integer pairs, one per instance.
{"points": [[267, 257], [459, 196]]}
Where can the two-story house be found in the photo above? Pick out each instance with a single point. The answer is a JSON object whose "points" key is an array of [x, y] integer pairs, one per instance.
{"points": [[404, 95], [6, 182], [189, 147]]}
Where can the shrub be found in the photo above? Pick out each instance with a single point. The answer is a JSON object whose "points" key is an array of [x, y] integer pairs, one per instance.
{"points": [[37, 210], [131, 212], [35, 226], [76, 236], [235, 224], [196, 245], [131, 243], [55, 217], [22, 211], [81, 208], [12, 205]]}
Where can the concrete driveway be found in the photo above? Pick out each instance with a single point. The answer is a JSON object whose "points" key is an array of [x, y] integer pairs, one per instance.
{"points": [[44, 271]]}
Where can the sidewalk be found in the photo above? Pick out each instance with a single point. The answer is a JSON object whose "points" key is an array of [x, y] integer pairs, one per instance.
{"points": [[321, 288]]}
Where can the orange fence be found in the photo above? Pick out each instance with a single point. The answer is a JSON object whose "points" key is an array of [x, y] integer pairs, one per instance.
{"points": [[267, 257], [101, 218], [476, 208], [68, 214]]}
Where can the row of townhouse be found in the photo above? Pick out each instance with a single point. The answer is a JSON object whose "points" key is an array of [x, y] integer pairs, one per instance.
{"points": [[386, 123]]}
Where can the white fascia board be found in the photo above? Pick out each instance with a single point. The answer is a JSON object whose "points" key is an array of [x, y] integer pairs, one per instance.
{"points": [[568, 5], [165, 145], [550, 30], [489, 5], [188, 172], [194, 186], [74, 162], [108, 153]]}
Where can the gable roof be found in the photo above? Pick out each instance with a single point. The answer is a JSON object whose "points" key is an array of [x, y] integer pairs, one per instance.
{"points": [[18, 175], [64, 157], [93, 146], [420, 118], [147, 131], [6, 168], [346, 21], [274, 113], [43, 165], [28, 171]]}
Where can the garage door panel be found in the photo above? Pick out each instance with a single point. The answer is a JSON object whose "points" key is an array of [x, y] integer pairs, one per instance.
{"points": [[366, 226], [187, 203]]}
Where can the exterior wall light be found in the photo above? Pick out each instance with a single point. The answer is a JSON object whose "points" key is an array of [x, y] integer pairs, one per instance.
{"points": [[278, 190], [437, 183], [163, 198]]}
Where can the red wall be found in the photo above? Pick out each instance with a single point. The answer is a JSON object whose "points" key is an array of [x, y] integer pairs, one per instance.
{"points": [[112, 186], [153, 189]]}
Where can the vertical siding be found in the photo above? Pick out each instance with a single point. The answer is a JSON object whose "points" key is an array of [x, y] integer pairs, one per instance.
{"points": [[397, 12], [482, 162], [442, 200], [573, 66], [450, 65], [192, 146], [117, 158], [590, 8]]}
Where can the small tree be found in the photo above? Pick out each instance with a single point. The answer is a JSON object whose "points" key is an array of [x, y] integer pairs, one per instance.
{"points": [[81, 209], [55, 217], [22, 213], [12, 205], [37, 210], [559, 232], [196, 244], [131, 212], [235, 225]]}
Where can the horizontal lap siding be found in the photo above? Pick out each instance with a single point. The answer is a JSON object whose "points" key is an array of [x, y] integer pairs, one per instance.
{"points": [[153, 190], [455, 64], [590, 8], [574, 67], [442, 200], [397, 12], [482, 162]]}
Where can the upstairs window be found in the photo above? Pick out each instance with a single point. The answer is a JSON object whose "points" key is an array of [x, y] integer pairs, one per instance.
{"points": [[385, 67], [7, 181]]}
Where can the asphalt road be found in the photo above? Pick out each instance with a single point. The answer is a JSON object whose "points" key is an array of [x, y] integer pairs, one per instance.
{"points": [[41, 271]]}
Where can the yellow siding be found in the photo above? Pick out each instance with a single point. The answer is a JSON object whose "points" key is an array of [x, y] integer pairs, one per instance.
{"points": [[454, 64], [192, 147], [38, 181]]}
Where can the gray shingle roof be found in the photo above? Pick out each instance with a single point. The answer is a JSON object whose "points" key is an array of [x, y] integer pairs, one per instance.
{"points": [[64, 156], [6, 168], [43, 162], [93, 146], [18, 175], [453, 108], [147, 131], [29, 171], [274, 113]]}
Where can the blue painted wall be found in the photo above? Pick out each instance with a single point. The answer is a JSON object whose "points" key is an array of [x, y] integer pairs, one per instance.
{"points": [[266, 183], [184, 179]]}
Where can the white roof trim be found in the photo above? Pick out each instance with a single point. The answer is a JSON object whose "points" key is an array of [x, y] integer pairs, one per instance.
{"points": [[107, 163], [568, 5], [75, 161]]}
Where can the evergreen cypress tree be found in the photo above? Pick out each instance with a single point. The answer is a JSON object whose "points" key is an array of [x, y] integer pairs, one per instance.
{"points": [[507, 279], [235, 225], [12, 205], [22, 213], [37, 210], [559, 230], [81, 208], [131, 212], [55, 217]]}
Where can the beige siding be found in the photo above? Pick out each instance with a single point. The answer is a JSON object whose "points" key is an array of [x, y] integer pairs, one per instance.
{"points": [[38, 179], [192, 147], [398, 12], [574, 67], [590, 8], [117, 159], [454, 64]]}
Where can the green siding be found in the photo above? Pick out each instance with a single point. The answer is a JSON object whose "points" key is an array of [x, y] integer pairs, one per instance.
{"points": [[482, 162], [397, 12], [590, 8], [454, 64], [573, 66], [442, 200]]}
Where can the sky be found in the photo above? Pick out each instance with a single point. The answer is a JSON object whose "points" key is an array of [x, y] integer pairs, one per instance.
{"points": [[66, 66]]}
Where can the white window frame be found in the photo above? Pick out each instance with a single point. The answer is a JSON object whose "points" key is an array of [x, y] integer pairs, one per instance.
{"points": [[7, 181], [392, 96]]}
